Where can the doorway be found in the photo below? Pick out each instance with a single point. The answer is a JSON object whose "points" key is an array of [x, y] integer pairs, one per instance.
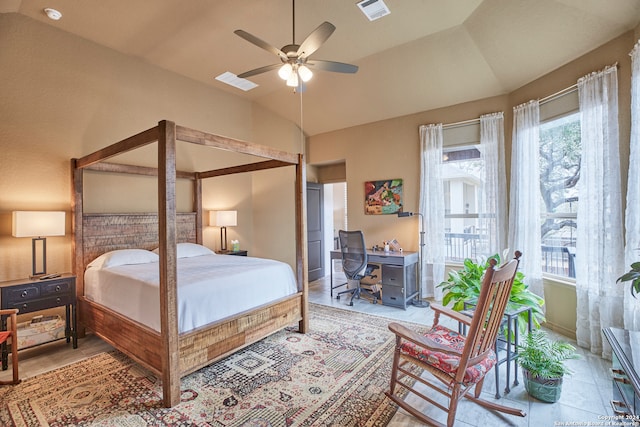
{"points": [[335, 208], [326, 214]]}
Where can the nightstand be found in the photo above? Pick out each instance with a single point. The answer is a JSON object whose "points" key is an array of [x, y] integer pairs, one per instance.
{"points": [[29, 295], [238, 253]]}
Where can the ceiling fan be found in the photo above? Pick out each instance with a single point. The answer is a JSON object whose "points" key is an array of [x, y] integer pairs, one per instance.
{"points": [[295, 63]]}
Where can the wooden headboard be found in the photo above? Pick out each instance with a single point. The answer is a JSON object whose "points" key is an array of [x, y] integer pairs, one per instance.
{"points": [[109, 232]]}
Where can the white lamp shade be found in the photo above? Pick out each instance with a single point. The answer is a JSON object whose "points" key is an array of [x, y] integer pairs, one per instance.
{"points": [[304, 73], [223, 218], [38, 224], [285, 71], [293, 80]]}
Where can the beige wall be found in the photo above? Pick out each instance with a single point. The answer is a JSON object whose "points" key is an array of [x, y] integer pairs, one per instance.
{"points": [[64, 97], [389, 149], [385, 150]]}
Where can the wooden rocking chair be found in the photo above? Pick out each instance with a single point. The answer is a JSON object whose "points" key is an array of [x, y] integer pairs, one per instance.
{"points": [[449, 358], [13, 334]]}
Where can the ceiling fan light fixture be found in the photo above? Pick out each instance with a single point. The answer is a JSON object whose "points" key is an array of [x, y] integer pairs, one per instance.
{"points": [[285, 71], [305, 73], [293, 80]]}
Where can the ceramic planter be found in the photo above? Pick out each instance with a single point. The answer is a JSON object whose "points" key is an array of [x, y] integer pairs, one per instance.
{"points": [[546, 390]]}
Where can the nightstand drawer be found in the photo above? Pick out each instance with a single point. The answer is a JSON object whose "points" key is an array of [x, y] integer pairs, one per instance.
{"points": [[20, 293], [58, 287], [41, 304]]}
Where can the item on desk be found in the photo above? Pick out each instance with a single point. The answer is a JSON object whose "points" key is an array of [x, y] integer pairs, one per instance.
{"points": [[395, 245], [235, 245], [386, 246], [49, 276]]}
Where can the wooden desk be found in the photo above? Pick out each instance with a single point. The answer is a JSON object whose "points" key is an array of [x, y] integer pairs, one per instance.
{"points": [[399, 275]]}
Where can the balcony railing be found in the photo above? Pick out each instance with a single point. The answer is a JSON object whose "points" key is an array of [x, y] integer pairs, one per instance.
{"points": [[559, 260]]}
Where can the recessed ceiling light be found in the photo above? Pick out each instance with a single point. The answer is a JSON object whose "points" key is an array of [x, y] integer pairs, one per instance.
{"points": [[53, 14], [235, 81]]}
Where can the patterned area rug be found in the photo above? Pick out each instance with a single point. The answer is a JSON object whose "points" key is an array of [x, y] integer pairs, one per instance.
{"points": [[335, 375]]}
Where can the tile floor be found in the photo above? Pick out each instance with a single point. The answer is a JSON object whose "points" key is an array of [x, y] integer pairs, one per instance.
{"points": [[585, 395]]}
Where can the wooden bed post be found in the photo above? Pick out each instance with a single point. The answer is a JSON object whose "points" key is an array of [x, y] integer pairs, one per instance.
{"points": [[167, 353], [197, 207], [301, 241], [77, 209], [168, 260]]}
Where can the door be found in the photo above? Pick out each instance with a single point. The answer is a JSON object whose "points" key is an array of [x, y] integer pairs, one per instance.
{"points": [[315, 231]]}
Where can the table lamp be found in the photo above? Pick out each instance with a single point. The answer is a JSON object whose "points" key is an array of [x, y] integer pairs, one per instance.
{"points": [[39, 225], [223, 219]]}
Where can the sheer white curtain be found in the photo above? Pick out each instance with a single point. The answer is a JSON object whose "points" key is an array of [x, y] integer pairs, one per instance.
{"points": [[599, 244], [524, 211], [632, 215], [432, 209], [493, 207]]}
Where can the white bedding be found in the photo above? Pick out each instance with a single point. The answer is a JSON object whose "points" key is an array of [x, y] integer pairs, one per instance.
{"points": [[210, 288]]}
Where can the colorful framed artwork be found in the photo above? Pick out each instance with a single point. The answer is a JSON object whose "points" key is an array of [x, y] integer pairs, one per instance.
{"points": [[383, 197]]}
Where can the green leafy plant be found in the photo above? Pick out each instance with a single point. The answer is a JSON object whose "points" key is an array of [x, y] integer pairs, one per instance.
{"points": [[632, 276], [543, 357], [464, 286]]}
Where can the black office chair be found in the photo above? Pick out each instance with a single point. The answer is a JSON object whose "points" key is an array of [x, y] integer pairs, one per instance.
{"points": [[354, 260]]}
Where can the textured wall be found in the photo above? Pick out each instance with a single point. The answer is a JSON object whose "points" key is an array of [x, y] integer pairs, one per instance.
{"points": [[63, 97]]}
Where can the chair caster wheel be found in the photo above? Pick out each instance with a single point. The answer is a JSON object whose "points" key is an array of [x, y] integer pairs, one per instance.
{"points": [[338, 297], [351, 303]]}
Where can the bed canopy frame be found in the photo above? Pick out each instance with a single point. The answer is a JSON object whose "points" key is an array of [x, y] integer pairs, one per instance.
{"points": [[169, 354]]}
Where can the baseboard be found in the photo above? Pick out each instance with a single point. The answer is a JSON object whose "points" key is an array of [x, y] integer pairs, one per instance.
{"points": [[560, 330]]}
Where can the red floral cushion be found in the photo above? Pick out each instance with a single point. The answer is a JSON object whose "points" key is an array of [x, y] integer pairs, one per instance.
{"points": [[447, 362]]}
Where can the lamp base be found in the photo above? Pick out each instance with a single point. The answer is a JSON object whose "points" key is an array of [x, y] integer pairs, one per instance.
{"points": [[420, 303]]}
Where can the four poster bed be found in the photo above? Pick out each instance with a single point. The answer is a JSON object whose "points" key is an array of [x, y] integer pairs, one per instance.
{"points": [[169, 348]]}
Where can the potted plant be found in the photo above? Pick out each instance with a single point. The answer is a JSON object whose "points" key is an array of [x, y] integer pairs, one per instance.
{"points": [[633, 276], [464, 286], [543, 365]]}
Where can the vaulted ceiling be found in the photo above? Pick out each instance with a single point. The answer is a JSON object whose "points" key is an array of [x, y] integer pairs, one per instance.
{"points": [[425, 54]]}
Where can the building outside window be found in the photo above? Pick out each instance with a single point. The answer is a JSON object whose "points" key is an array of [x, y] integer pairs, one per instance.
{"points": [[560, 151], [462, 169]]}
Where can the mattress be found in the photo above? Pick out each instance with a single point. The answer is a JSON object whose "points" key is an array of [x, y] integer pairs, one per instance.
{"points": [[210, 288]]}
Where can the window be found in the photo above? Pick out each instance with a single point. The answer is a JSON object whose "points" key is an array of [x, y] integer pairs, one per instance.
{"points": [[560, 151], [462, 172]]}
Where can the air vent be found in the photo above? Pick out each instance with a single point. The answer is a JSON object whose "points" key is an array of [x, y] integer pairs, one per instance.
{"points": [[373, 9], [235, 81]]}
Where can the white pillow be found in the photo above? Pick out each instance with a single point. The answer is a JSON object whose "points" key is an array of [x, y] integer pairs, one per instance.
{"points": [[123, 257], [186, 250]]}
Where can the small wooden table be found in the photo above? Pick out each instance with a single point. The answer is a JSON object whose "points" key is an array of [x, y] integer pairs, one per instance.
{"points": [[28, 295]]}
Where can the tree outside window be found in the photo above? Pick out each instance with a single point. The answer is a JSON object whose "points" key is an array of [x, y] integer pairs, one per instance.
{"points": [[560, 152]]}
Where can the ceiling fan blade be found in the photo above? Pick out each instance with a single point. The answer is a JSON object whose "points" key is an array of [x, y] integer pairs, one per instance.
{"points": [[337, 67], [261, 43], [259, 70], [315, 39]]}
